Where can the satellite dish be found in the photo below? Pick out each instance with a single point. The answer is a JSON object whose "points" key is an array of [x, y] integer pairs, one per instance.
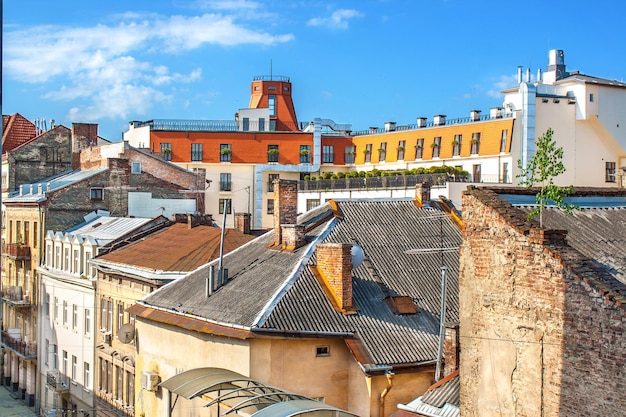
{"points": [[357, 256], [126, 333]]}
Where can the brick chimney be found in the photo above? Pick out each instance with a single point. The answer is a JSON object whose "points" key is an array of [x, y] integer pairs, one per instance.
{"points": [[84, 136], [242, 222], [285, 206], [334, 263], [422, 194]]}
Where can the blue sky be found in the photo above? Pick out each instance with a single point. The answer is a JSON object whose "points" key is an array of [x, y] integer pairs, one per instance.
{"points": [[361, 62]]}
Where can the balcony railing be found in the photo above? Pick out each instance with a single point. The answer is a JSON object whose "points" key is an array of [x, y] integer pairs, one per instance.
{"points": [[57, 381], [460, 120], [16, 250], [16, 296], [373, 183], [182, 125], [23, 349]]}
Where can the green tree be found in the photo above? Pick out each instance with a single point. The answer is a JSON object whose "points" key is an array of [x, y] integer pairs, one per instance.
{"points": [[542, 168]]}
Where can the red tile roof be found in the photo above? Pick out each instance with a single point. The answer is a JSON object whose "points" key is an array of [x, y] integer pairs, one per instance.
{"points": [[16, 130], [178, 248]]}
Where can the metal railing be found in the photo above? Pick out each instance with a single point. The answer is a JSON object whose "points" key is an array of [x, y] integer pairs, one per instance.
{"points": [[181, 125], [16, 250], [27, 350], [373, 183], [57, 381], [415, 126]]}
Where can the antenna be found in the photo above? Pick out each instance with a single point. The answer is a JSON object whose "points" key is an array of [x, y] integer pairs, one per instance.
{"points": [[271, 79]]}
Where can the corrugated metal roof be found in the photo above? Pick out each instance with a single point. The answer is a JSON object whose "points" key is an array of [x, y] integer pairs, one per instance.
{"points": [[441, 399], [106, 229], [36, 192], [279, 286]]}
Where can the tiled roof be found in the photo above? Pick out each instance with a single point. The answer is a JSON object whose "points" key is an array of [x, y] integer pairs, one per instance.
{"points": [[16, 130], [274, 291], [177, 248]]}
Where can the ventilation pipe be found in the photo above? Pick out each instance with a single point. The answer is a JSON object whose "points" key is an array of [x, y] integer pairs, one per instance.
{"points": [[519, 75]]}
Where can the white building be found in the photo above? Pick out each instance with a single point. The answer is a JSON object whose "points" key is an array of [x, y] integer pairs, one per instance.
{"points": [[586, 114], [68, 311]]}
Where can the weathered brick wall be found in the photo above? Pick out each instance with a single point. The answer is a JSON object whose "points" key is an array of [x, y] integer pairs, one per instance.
{"points": [[48, 155], [535, 340], [334, 261]]}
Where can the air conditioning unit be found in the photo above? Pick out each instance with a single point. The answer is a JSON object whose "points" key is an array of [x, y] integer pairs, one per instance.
{"points": [[149, 381], [106, 336]]}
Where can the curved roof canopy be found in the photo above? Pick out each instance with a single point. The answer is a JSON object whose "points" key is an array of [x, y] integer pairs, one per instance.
{"points": [[239, 394]]}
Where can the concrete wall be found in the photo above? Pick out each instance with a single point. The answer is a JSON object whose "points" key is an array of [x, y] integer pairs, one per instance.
{"points": [[536, 339]]}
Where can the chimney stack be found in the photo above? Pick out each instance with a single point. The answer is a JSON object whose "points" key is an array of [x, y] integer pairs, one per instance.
{"points": [[285, 206], [334, 263], [422, 194], [84, 135], [242, 222]]}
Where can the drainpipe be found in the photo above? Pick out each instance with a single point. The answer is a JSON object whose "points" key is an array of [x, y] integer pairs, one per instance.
{"points": [[381, 411]]}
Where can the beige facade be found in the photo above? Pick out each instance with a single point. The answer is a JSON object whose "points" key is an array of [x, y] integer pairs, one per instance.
{"points": [[294, 365], [20, 257]]}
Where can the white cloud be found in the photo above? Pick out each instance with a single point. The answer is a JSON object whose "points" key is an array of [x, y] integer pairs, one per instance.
{"points": [[502, 82], [100, 65], [337, 20]]}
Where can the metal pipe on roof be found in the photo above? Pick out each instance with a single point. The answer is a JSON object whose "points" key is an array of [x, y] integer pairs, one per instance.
{"points": [[442, 318]]}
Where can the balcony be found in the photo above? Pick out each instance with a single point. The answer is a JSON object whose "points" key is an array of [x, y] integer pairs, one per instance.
{"points": [[57, 381], [16, 251], [16, 297], [12, 340]]}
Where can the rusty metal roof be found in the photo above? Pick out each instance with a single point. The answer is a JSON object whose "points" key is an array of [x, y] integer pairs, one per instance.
{"points": [[177, 248]]}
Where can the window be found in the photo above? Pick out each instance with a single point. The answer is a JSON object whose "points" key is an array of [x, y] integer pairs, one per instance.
{"points": [[96, 194], [270, 206], [419, 148], [120, 315], [328, 154], [55, 357], [368, 153], [46, 352], [66, 259], [456, 145], [86, 376], [270, 182], [272, 125], [46, 304], [135, 168], [436, 146], [109, 316], [591, 97], [505, 172], [102, 382], [87, 321], [119, 376], [225, 152], [56, 308], [400, 149], [305, 154], [225, 184], [196, 152], [74, 316], [322, 351], [261, 124], [26, 232], [65, 362], [382, 152], [225, 205], [311, 203], [130, 389], [246, 124], [610, 171], [34, 234], [476, 173], [64, 312], [74, 366], [350, 154], [76, 259], [166, 150], [272, 153], [271, 104], [505, 134], [475, 143]]}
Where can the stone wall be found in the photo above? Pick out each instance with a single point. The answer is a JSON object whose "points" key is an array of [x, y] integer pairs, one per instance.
{"points": [[538, 338]]}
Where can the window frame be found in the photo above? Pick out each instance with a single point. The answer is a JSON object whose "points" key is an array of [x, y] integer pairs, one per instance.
{"points": [[166, 150], [328, 154], [96, 194], [226, 156], [196, 152], [610, 172], [225, 181], [225, 201]]}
